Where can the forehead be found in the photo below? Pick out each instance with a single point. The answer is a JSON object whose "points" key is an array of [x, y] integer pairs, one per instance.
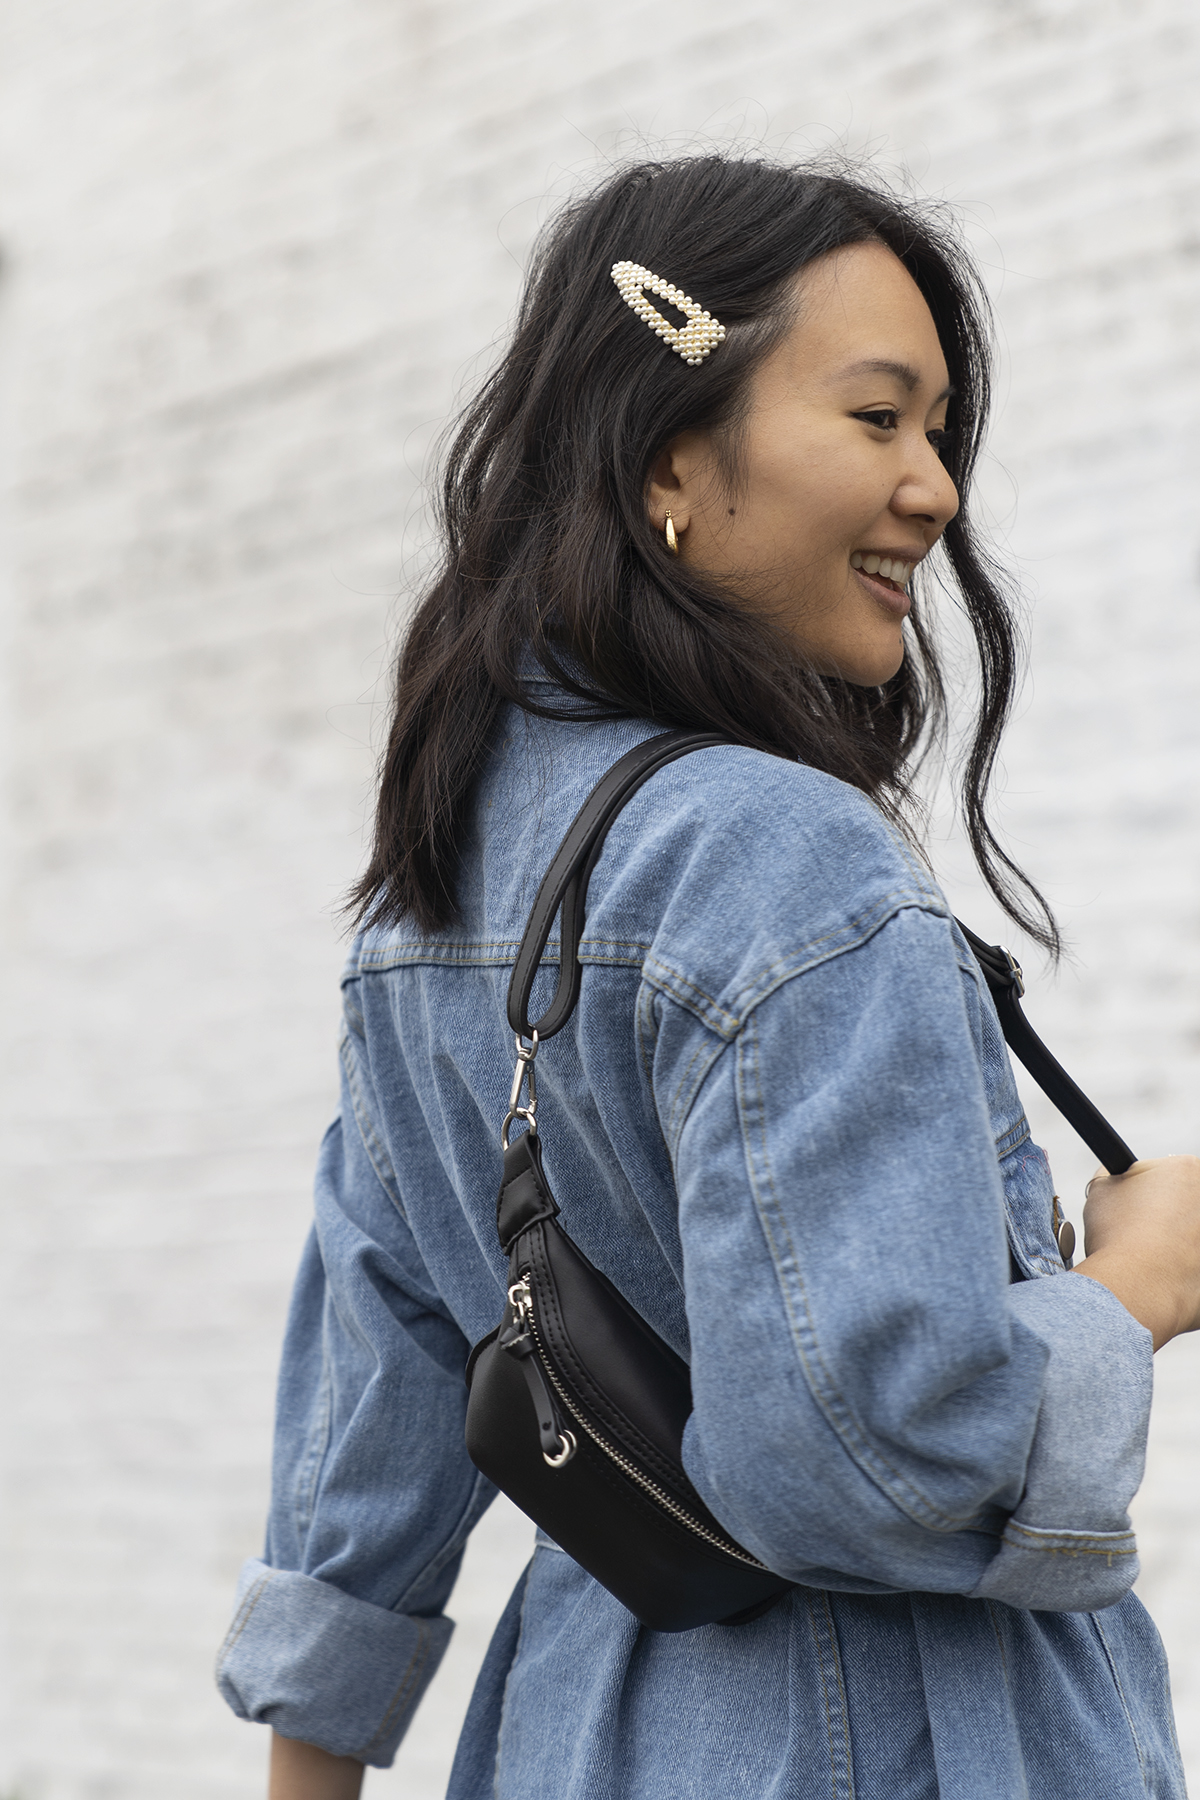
{"points": [[856, 308]]}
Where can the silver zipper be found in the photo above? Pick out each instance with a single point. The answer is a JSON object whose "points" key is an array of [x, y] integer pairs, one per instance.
{"points": [[521, 1298]]}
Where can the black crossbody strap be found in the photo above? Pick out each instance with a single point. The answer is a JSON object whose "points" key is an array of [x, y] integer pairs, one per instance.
{"points": [[566, 881], [1003, 976], [564, 890]]}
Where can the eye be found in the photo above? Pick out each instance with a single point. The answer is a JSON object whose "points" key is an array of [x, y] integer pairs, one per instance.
{"points": [[882, 417], [942, 441]]}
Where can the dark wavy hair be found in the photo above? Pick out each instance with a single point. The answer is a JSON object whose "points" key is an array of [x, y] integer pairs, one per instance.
{"points": [[549, 552]]}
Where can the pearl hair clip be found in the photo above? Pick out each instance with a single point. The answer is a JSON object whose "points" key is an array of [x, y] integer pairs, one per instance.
{"points": [[700, 335]]}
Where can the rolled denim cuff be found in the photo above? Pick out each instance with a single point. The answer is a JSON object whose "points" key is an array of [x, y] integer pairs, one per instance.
{"points": [[1068, 1546], [1060, 1571], [316, 1664]]}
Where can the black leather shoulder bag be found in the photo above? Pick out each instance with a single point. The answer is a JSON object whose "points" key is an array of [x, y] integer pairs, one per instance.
{"points": [[577, 1407]]}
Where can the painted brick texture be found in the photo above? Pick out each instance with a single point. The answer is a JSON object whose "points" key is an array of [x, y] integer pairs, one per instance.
{"points": [[253, 255]]}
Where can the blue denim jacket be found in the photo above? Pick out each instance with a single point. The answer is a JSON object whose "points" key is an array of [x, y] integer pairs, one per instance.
{"points": [[783, 1121]]}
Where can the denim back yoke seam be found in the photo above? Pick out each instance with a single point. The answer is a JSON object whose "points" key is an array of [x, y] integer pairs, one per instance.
{"points": [[635, 953], [485, 953], [671, 982]]}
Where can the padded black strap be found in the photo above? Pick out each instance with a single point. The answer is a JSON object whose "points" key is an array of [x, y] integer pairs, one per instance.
{"points": [[1003, 976], [564, 890], [525, 1196], [566, 881]]}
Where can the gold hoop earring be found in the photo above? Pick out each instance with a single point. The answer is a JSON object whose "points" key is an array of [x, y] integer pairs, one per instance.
{"points": [[672, 538]]}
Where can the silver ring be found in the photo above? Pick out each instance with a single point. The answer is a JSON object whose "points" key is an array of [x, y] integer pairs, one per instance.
{"points": [[510, 1118], [569, 1447]]}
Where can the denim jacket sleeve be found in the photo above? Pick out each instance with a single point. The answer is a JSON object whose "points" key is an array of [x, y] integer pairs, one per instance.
{"points": [[814, 1149], [339, 1628], [877, 1404]]}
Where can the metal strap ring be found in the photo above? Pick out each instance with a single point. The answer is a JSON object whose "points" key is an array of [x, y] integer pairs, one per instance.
{"points": [[514, 1113]]}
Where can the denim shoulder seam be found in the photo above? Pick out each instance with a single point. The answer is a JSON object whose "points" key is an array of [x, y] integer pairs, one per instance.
{"points": [[921, 874], [728, 1019], [899, 1488], [377, 1155]]}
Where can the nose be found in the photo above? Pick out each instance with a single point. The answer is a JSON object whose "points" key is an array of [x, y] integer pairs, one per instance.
{"points": [[926, 491]]}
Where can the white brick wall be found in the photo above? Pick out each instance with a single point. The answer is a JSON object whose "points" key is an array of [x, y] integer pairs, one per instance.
{"points": [[252, 253]]}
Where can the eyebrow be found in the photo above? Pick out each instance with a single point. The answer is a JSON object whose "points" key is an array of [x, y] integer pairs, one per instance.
{"points": [[881, 365]]}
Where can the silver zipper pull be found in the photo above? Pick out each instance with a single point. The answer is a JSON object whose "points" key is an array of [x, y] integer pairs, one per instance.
{"points": [[518, 1339], [515, 1331]]}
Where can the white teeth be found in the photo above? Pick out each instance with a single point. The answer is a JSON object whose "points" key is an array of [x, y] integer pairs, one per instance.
{"points": [[890, 567]]}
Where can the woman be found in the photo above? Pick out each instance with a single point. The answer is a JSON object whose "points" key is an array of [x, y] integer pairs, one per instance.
{"points": [[782, 1118]]}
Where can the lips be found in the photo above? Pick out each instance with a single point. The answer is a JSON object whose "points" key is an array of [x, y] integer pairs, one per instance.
{"points": [[893, 599]]}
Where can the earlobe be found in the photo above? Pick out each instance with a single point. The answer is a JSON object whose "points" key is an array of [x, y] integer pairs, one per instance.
{"points": [[669, 512]]}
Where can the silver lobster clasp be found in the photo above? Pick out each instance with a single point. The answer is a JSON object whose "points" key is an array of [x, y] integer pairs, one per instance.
{"points": [[524, 1072]]}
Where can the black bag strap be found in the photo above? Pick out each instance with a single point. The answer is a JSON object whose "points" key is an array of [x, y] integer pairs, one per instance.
{"points": [[565, 885], [564, 890], [1003, 975]]}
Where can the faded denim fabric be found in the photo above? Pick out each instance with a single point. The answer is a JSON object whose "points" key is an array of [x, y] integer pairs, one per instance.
{"points": [[782, 1120]]}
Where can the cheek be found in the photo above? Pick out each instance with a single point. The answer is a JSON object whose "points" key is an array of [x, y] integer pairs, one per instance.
{"points": [[820, 498]]}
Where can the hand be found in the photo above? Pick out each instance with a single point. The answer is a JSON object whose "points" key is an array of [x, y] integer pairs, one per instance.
{"points": [[302, 1772], [1142, 1236]]}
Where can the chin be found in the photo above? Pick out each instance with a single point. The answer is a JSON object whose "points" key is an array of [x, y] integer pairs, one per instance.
{"points": [[872, 671]]}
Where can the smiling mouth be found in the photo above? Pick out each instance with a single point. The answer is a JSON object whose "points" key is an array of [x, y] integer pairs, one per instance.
{"points": [[888, 570]]}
